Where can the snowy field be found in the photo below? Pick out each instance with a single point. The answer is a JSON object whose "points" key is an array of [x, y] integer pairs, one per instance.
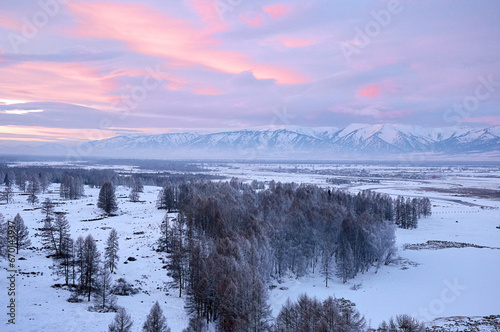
{"points": [[427, 283]]}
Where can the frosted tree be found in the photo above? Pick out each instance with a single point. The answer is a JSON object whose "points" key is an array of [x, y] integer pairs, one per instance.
{"points": [[44, 182], [327, 264], [309, 314], [48, 208], [66, 265], [164, 240], [122, 322], [10, 178], [345, 262], [21, 233], [107, 198], [426, 207], [49, 236], [61, 233], [6, 180], [156, 321], [196, 324], [111, 251], [178, 254], [90, 265], [167, 198], [7, 194], [134, 195], [402, 323], [138, 185], [78, 249], [103, 296], [33, 189]]}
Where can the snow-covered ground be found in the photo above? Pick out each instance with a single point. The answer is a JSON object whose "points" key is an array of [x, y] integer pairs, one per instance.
{"points": [[43, 308], [425, 283]]}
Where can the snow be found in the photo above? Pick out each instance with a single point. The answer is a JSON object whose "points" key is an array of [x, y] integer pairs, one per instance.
{"points": [[42, 308], [427, 284]]}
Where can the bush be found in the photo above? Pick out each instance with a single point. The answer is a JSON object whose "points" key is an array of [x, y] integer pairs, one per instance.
{"points": [[123, 288], [402, 323]]}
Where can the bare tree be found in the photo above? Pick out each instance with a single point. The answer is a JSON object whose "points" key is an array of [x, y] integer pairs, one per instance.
{"points": [[48, 208], [105, 299], [7, 194], [156, 321], [61, 234], [122, 322], [21, 233], [134, 195], [33, 189], [49, 239], [90, 265], [111, 251]]}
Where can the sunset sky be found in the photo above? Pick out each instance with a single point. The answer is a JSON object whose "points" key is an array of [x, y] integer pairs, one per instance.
{"points": [[84, 70]]}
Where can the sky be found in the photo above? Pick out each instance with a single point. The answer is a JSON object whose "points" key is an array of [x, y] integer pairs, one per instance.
{"points": [[74, 70]]}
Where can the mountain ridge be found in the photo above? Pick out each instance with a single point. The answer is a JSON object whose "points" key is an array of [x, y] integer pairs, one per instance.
{"points": [[359, 139], [372, 141]]}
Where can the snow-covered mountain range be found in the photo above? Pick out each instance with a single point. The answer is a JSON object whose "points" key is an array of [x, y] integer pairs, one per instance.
{"points": [[299, 143]]}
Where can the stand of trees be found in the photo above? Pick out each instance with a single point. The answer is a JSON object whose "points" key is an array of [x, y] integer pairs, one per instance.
{"points": [[408, 211], [229, 239], [309, 314], [71, 187], [168, 198]]}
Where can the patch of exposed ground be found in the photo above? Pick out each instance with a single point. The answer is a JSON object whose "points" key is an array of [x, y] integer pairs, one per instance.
{"points": [[466, 324], [436, 245]]}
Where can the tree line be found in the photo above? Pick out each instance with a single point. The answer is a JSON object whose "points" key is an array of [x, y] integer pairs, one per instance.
{"points": [[33, 180]]}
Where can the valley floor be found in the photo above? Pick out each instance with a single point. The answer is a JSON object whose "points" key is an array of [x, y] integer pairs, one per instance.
{"points": [[428, 283]]}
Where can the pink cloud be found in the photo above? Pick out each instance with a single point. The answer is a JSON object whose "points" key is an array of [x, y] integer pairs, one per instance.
{"points": [[44, 134], [254, 22], [207, 91], [277, 11], [208, 13], [296, 42], [9, 22], [63, 82], [149, 32], [370, 91]]}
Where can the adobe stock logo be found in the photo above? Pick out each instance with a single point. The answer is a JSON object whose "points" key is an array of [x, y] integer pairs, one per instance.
{"points": [[32, 27], [226, 6], [483, 91], [437, 306], [372, 29]]}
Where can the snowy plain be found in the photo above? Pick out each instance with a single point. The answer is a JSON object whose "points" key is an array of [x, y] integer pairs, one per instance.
{"points": [[425, 283]]}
